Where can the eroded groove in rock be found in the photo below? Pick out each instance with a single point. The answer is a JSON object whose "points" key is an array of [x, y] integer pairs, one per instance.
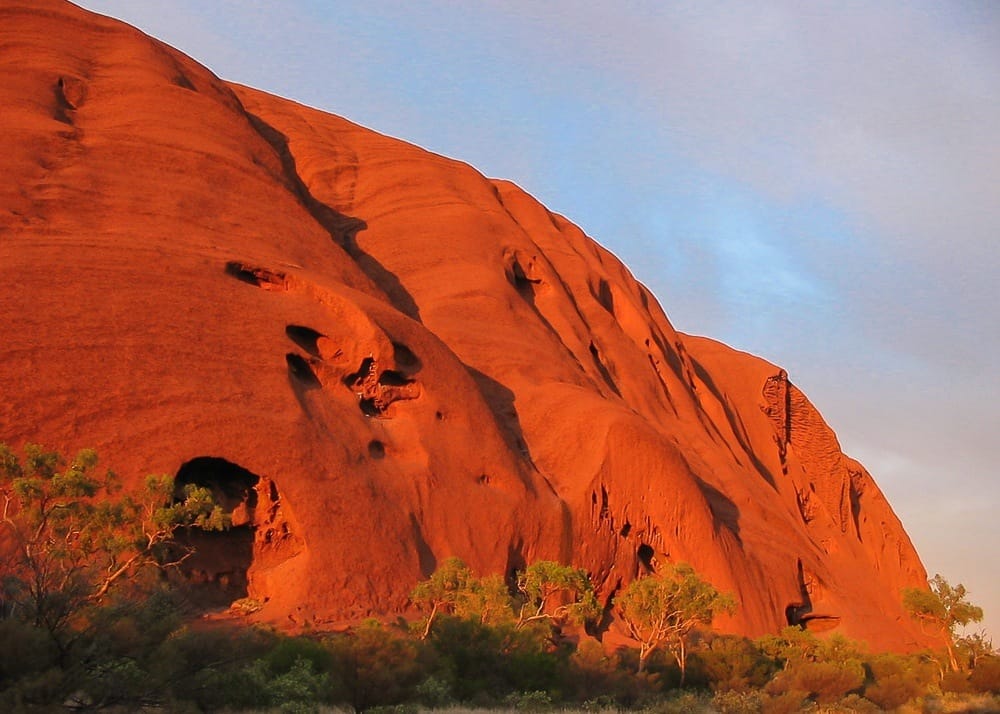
{"points": [[258, 277], [305, 337], [376, 390], [302, 372]]}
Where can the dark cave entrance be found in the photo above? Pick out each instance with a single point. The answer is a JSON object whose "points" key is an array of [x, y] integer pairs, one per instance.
{"points": [[216, 573], [645, 554]]}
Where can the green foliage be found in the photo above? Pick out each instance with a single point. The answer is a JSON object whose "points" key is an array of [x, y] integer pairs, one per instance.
{"points": [[972, 648], [820, 670], [453, 589], [73, 535], [986, 676], [556, 592], [896, 679], [665, 609], [374, 666], [940, 610], [86, 620], [730, 663], [73, 542]]}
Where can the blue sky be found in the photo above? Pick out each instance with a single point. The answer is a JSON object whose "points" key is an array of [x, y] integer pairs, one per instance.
{"points": [[817, 183]]}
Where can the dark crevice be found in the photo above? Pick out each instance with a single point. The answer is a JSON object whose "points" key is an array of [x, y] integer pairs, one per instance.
{"points": [[376, 449], [500, 400], [215, 574], [524, 285], [855, 495], [375, 391], [258, 277], [301, 371], [516, 561], [725, 513], [796, 612], [735, 425], [366, 368], [368, 407], [342, 229], [403, 357], [305, 337], [605, 374], [604, 296], [428, 562], [392, 378], [645, 556]]}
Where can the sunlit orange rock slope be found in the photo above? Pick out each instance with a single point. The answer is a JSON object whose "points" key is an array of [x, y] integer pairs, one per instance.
{"points": [[379, 358]]}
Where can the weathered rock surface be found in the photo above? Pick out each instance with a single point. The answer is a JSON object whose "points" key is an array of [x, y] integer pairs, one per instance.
{"points": [[379, 358]]}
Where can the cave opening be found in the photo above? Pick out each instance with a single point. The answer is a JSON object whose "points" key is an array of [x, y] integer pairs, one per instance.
{"points": [[215, 572], [645, 555]]}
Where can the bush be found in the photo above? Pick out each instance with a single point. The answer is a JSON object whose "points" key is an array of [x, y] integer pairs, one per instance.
{"points": [[986, 676], [732, 663], [373, 666], [823, 682], [734, 702], [895, 680], [957, 682]]}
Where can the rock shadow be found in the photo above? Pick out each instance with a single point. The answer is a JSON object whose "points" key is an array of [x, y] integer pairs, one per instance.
{"points": [[501, 402], [215, 572], [342, 229], [725, 513], [734, 424]]}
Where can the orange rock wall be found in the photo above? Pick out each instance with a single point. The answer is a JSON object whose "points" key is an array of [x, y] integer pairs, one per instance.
{"points": [[412, 361]]}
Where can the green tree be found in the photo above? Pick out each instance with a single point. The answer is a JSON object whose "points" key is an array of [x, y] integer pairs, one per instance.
{"points": [[69, 534], [663, 610], [974, 648], [555, 592], [940, 610]]}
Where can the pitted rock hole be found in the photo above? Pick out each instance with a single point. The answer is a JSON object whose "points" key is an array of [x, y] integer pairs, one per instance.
{"points": [[301, 371], [376, 449], [392, 378], [364, 371], [217, 570], [645, 555], [604, 296], [405, 358], [305, 337], [258, 277], [377, 390]]}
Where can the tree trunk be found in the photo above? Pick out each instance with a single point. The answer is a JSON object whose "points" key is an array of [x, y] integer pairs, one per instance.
{"points": [[682, 660], [430, 621], [643, 654], [952, 660]]}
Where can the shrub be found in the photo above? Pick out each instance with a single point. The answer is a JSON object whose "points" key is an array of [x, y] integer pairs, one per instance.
{"points": [[374, 666], [823, 682], [986, 676], [731, 663], [734, 702]]}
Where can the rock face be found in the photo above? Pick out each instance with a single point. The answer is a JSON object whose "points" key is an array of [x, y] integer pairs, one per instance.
{"points": [[379, 358]]}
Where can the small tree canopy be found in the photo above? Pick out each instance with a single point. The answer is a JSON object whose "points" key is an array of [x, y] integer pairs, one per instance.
{"points": [[556, 592], [452, 589], [70, 534], [940, 610], [664, 609]]}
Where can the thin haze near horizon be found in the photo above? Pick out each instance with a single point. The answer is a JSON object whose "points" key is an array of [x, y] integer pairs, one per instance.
{"points": [[815, 183]]}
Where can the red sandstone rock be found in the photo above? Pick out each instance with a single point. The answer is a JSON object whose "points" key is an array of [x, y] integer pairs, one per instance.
{"points": [[379, 358]]}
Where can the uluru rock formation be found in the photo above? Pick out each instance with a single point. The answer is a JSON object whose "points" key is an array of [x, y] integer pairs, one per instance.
{"points": [[379, 358]]}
